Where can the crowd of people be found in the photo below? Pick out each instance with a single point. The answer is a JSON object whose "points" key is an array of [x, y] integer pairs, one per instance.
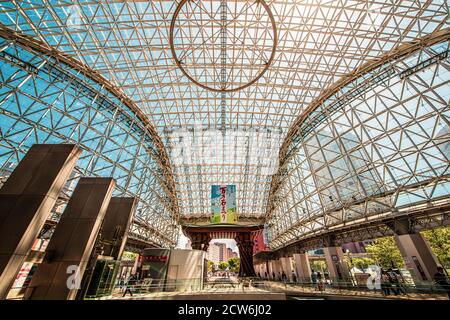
{"points": [[391, 280]]}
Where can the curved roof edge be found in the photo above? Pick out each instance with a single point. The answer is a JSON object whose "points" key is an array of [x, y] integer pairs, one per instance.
{"points": [[43, 48], [399, 51]]}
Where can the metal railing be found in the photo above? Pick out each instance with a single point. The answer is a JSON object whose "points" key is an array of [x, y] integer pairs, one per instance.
{"points": [[339, 287], [148, 286]]}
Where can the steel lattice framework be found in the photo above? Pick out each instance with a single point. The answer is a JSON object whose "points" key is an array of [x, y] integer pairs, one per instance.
{"points": [[375, 144], [319, 41], [46, 97]]}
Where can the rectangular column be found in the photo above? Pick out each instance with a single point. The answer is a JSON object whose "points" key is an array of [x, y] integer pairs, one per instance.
{"points": [[286, 267], [26, 200], [258, 269], [114, 231], [271, 271], [418, 257], [303, 267], [72, 242], [264, 271], [337, 266], [278, 270]]}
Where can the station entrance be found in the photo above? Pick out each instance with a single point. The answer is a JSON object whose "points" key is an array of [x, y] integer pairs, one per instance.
{"points": [[244, 236]]}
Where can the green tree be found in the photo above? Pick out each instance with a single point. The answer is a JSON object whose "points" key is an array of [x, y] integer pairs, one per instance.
{"points": [[234, 264], [318, 265], [129, 256], [362, 263], [385, 253], [223, 266], [210, 266], [439, 240]]}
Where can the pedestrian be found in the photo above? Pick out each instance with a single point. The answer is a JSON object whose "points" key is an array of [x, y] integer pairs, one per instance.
{"points": [[320, 286], [441, 280], [131, 282], [313, 277], [283, 277], [385, 283], [400, 282], [393, 281], [327, 278]]}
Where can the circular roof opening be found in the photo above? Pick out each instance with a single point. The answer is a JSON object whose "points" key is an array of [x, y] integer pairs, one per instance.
{"points": [[223, 46]]}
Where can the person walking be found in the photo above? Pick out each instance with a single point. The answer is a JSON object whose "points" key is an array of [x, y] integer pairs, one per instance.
{"points": [[385, 283], [131, 282], [400, 282], [441, 280], [313, 277], [320, 285], [393, 281], [283, 277]]}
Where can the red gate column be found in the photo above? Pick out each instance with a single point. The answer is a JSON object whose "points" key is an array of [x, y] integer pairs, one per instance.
{"points": [[199, 240], [244, 241]]}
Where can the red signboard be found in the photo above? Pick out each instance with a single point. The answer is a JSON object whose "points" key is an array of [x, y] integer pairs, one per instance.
{"points": [[154, 258]]}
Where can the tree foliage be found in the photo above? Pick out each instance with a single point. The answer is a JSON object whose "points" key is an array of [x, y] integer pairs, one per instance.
{"points": [[439, 240], [234, 264], [223, 266], [385, 253], [362, 263], [318, 265], [210, 266], [129, 256]]}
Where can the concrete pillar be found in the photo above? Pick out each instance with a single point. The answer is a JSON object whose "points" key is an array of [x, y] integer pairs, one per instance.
{"points": [[71, 245], [302, 267], [26, 200], [264, 270], [271, 271], [337, 266], [286, 267], [112, 237], [258, 269], [114, 231], [418, 257], [136, 264], [276, 268]]}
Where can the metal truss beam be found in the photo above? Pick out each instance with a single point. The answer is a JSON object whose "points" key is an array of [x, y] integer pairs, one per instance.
{"points": [[398, 52], [421, 219], [36, 45]]}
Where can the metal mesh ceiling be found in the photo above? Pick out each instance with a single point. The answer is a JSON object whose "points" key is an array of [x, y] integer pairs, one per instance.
{"points": [[318, 42]]}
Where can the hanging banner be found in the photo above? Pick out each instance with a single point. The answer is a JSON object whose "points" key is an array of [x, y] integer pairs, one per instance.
{"points": [[223, 204]]}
